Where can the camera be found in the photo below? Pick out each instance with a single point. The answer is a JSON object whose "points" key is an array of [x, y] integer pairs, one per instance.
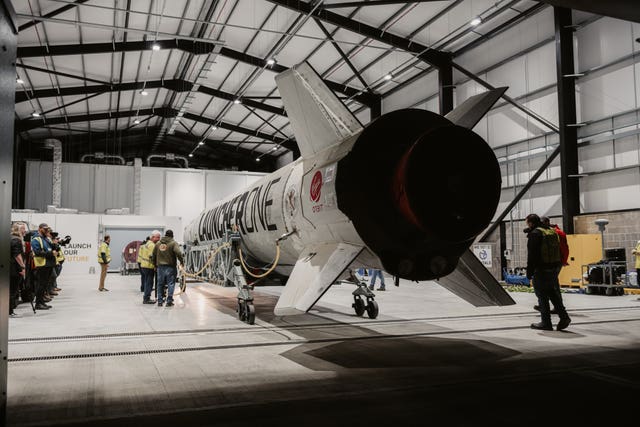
{"points": [[61, 242]]}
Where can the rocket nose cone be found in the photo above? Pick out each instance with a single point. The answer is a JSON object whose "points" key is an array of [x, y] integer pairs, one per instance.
{"points": [[450, 182]]}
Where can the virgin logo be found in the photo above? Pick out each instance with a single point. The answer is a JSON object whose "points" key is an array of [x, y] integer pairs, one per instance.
{"points": [[316, 186]]}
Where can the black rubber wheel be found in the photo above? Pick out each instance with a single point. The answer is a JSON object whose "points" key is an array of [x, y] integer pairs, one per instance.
{"points": [[372, 309], [251, 314], [609, 291], [241, 311], [358, 306]]}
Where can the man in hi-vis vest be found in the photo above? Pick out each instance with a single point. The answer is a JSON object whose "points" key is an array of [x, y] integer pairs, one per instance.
{"points": [[104, 258], [147, 266], [44, 259]]}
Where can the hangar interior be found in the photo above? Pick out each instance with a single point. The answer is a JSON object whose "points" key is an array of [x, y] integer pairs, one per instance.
{"points": [[123, 116]]}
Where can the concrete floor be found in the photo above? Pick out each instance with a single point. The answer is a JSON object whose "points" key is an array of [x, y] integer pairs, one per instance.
{"points": [[103, 358]]}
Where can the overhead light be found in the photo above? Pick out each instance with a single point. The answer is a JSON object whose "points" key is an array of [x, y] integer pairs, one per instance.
{"points": [[144, 93], [190, 154], [201, 143], [257, 159], [388, 77], [19, 81], [236, 101], [136, 122], [155, 47], [214, 128], [271, 61], [35, 114], [274, 148], [475, 21]]}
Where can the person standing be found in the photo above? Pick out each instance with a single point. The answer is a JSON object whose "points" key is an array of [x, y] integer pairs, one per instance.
{"points": [[44, 259], [147, 269], [543, 262], [564, 252], [104, 258], [18, 266], [375, 273], [636, 252], [165, 256]]}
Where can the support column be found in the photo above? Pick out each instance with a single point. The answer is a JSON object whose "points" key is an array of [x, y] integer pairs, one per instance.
{"points": [[567, 117], [376, 109], [8, 43], [445, 88]]}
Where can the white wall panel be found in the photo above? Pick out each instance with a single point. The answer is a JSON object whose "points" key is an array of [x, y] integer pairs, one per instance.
{"points": [[603, 41], [511, 74], [626, 151], [611, 191], [605, 94], [540, 67], [506, 124], [78, 183], [38, 185], [221, 185], [113, 187], [152, 191], [184, 192]]}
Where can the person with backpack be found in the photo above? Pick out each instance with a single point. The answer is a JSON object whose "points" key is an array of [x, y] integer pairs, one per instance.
{"points": [[544, 260]]}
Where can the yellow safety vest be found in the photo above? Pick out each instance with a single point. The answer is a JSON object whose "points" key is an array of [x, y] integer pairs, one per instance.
{"points": [[144, 254], [60, 256], [638, 256], [104, 248], [39, 261]]}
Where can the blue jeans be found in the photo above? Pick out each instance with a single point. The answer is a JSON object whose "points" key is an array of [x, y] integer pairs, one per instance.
{"points": [[374, 273], [166, 276], [147, 282]]}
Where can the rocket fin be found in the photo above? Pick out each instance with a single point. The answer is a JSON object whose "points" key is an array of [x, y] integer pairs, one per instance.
{"points": [[471, 111], [472, 282], [318, 118], [318, 267]]}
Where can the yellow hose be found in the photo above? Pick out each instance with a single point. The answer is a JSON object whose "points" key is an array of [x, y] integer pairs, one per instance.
{"points": [[273, 266]]}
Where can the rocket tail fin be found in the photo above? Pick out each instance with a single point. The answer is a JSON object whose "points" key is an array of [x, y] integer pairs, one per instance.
{"points": [[471, 111], [318, 118], [472, 282], [318, 267]]}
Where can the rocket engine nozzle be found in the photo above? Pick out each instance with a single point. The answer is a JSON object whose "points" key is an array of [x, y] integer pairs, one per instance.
{"points": [[418, 189]]}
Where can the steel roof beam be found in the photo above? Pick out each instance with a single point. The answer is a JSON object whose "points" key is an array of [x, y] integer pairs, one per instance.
{"points": [[372, 3], [431, 56], [176, 85], [194, 47], [51, 14]]}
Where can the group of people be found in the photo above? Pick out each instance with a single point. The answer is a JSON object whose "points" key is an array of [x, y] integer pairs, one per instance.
{"points": [[373, 273], [156, 256], [547, 252], [36, 263]]}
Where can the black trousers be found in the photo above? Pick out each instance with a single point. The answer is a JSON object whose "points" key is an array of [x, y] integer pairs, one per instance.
{"points": [[14, 288], [43, 276], [547, 288]]}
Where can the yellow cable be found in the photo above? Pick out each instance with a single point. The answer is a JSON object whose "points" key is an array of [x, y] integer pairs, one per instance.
{"points": [[260, 276]]}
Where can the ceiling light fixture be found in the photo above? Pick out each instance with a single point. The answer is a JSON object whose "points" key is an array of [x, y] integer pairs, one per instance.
{"points": [[144, 93], [388, 77], [236, 101], [136, 122], [475, 21], [257, 159], [35, 114], [201, 143], [214, 128], [19, 81], [155, 47], [271, 61], [190, 154]]}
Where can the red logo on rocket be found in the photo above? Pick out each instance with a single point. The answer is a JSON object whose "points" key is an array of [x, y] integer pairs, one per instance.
{"points": [[316, 186]]}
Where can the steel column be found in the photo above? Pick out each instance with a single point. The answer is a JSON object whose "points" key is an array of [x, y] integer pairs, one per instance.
{"points": [[8, 43], [567, 117], [445, 88]]}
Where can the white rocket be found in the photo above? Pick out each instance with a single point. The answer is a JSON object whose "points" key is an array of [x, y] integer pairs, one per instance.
{"points": [[408, 193]]}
